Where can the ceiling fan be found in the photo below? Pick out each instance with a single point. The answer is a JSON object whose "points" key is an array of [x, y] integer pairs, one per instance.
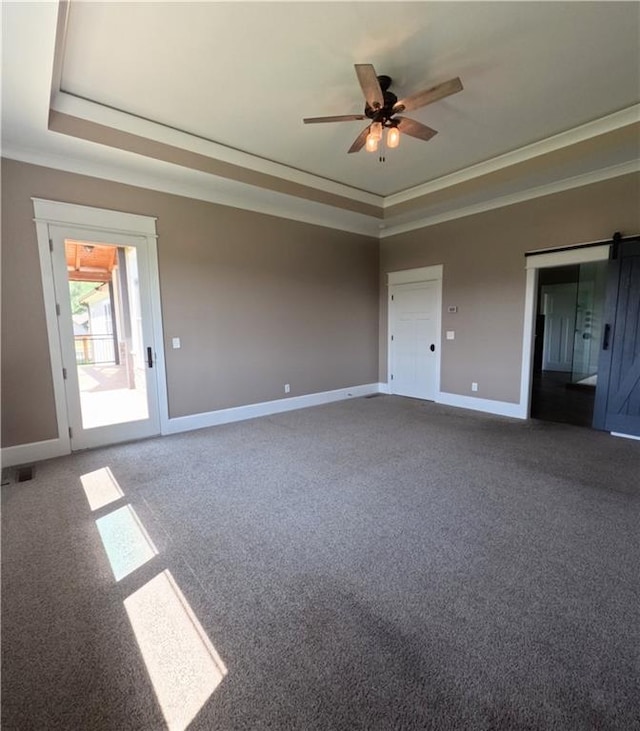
{"points": [[382, 107]]}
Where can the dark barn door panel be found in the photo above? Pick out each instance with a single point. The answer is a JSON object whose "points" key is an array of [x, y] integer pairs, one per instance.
{"points": [[618, 394]]}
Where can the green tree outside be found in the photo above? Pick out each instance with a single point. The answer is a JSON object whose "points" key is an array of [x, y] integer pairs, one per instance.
{"points": [[77, 290]]}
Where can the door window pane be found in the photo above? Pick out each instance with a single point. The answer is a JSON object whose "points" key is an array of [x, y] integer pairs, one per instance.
{"points": [[588, 327], [105, 305]]}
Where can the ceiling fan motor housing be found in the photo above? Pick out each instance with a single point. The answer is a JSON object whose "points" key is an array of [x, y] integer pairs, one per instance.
{"points": [[390, 99]]}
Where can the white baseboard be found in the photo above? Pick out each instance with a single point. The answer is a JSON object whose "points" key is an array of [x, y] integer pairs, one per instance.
{"points": [[34, 452], [501, 408], [26, 453], [37, 451], [251, 411], [624, 436]]}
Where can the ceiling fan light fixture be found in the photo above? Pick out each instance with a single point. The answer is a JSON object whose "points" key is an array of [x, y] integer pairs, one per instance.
{"points": [[393, 137], [382, 106], [376, 131]]}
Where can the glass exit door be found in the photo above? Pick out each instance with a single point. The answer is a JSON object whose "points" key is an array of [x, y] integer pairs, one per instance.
{"points": [[106, 334]]}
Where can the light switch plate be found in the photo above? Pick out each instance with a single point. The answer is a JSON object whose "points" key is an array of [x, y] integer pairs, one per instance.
{"points": [[175, 343], [451, 335]]}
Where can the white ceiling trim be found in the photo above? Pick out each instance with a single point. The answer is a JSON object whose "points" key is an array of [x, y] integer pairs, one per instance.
{"points": [[165, 177], [597, 127], [615, 171], [74, 106], [98, 113], [161, 176]]}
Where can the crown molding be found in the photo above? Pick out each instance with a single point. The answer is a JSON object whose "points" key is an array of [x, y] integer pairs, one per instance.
{"points": [[164, 177], [161, 176], [121, 121], [74, 106], [611, 122], [596, 176]]}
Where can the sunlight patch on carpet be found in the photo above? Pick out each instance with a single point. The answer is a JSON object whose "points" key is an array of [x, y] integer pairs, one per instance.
{"points": [[125, 540], [101, 488], [183, 665]]}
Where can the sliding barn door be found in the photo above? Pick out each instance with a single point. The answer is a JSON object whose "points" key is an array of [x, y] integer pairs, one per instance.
{"points": [[618, 394]]}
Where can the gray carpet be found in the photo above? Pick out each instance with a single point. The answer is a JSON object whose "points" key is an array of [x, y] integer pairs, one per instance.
{"points": [[380, 563]]}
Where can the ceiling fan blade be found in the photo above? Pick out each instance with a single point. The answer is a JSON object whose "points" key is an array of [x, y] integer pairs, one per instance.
{"points": [[415, 129], [370, 85], [359, 141], [428, 96], [341, 118]]}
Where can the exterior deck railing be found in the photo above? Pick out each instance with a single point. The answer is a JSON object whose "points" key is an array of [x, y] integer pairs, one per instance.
{"points": [[95, 349]]}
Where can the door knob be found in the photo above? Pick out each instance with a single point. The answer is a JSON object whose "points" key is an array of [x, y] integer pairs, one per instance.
{"points": [[432, 348]]}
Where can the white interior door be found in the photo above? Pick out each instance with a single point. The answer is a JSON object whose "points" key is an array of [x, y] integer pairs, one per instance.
{"points": [[102, 286], [414, 346]]}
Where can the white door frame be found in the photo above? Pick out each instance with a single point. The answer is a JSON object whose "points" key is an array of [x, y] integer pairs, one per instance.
{"points": [[415, 276], [535, 262], [54, 213]]}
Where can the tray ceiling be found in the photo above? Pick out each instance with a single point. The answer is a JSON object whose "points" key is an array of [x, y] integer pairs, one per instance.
{"points": [[231, 81]]}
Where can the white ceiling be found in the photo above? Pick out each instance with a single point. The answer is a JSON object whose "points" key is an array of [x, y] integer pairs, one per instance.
{"points": [[242, 75]]}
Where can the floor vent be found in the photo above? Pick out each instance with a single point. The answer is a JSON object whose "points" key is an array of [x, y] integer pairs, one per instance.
{"points": [[24, 474]]}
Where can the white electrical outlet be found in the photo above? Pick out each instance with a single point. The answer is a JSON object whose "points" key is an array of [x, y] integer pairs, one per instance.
{"points": [[175, 343], [474, 386], [287, 388], [451, 334]]}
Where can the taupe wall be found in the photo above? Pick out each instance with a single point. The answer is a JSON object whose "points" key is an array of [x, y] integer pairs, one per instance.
{"points": [[257, 301], [484, 275]]}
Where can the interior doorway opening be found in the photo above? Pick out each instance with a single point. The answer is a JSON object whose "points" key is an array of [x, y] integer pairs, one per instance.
{"points": [[568, 333]]}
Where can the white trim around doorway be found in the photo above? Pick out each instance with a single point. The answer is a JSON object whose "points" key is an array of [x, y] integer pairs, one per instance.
{"points": [[49, 213], [535, 262]]}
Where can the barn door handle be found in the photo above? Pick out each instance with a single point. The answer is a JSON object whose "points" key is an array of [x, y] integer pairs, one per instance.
{"points": [[605, 340], [432, 348], [150, 357]]}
